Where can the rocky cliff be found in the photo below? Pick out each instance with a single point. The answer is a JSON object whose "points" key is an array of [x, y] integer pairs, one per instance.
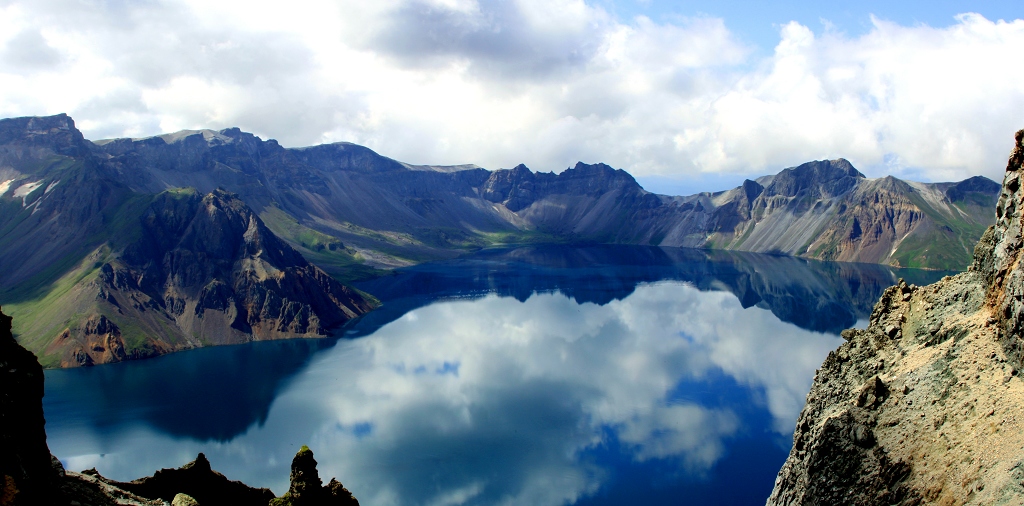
{"points": [[924, 406], [28, 473]]}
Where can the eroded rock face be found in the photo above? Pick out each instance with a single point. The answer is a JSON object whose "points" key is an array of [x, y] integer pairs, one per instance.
{"points": [[998, 255], [204, 270], [926, 405], [212, 254]]}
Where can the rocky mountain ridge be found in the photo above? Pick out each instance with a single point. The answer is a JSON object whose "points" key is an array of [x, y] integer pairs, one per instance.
{"points": [[324, 198], [923, 406], [394, 213]]}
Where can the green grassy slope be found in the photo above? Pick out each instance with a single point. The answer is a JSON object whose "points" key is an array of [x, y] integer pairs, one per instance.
{"points": [[947, 243]]}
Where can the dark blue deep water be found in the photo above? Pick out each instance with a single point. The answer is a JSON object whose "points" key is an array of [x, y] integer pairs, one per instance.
{"points": [[545, 375]]}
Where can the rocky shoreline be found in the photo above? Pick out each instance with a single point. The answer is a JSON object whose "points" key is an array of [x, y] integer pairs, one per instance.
{"points": [[926, 405]]}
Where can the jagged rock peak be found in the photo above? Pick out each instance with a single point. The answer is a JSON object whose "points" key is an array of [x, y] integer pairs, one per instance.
{"points": [[977, 184], [306, 489], [39, 124], [821, 178], [751, 189], [599, 169], [599, 172], [1000, 246], [201, 463], [305, 479], [212, 137], [596, 167], [824, 170]]}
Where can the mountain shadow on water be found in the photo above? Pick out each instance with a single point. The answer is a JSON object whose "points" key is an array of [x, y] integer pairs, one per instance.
{"points": [[226, 397], [818, 296]]}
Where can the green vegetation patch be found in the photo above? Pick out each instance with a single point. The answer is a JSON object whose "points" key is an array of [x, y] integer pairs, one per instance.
{"points": [[122, 223], [520, 237], [947, 245], [62, 304], [325, 251], [288, 228]]}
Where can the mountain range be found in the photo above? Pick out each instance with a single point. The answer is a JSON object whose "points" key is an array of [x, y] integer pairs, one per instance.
{"points": [[391, 213], [127, 248]]}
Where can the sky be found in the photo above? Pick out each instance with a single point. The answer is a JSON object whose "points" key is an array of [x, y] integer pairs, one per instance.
{"points": [[686, 96]]}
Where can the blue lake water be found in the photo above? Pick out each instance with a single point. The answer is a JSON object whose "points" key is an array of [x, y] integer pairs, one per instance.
{"points": [[544, 375]]}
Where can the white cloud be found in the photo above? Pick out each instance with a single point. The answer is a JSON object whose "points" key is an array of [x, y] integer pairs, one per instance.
{"points": [[544, 83], [944, 101]]}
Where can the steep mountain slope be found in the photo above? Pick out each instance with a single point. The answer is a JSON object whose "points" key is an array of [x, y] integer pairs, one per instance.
{"points": [[56, 202], [924, 406], [340, 192], [97, 272], [197, 270], [393, 213]]}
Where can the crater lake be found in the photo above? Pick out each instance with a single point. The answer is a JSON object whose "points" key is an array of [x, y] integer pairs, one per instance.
{"points": [[541, 375]]}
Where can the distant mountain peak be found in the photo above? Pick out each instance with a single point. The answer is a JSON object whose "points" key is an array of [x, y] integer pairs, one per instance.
{"points": [[597, 166], [819, 178], [210, 136], [57, 133], [827, 169]]}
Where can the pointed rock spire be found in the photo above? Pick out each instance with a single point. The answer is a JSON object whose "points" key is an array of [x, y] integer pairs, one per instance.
{"points": [[306, 488]]}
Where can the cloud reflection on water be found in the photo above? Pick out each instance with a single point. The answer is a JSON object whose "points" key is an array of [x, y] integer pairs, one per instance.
{"points": [[496, 400]]}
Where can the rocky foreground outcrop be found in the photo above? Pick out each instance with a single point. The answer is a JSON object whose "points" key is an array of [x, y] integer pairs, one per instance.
{"points": [[24, 460], [926, 405], [31, 476]]}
